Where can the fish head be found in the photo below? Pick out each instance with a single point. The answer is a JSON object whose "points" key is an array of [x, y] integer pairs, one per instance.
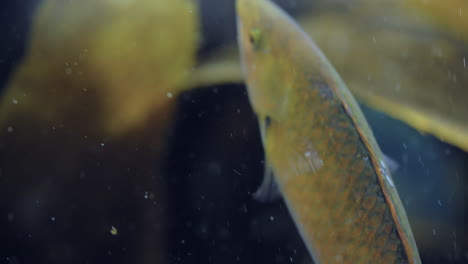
{"points": [[264, 57]]}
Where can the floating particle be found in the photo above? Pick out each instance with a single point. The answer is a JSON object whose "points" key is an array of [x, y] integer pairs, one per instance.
{"points": [[114, 231]]}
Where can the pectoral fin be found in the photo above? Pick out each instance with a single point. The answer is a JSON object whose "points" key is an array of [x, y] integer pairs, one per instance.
{"points": [[391, 163], [301, 158], [268, 190]]}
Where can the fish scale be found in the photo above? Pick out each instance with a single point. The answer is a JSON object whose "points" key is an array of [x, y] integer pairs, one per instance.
{"points": [[323, 155], [362, 192], [372, 216]]}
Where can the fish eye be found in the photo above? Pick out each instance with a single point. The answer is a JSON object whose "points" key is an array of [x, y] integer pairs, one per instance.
{"points": [[255, 37]]}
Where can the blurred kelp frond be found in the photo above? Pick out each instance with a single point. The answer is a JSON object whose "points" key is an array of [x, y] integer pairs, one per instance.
{"points": [[221, 66], [392, 58], [84, 122], [110, 61], [397, 62], [450, 16]]}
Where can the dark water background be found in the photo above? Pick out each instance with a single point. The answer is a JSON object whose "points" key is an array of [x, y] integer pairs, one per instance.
{"points": [[215, 162]]}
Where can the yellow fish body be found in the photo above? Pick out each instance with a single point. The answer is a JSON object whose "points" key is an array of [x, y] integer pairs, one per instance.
{"points": [[319, 146]]}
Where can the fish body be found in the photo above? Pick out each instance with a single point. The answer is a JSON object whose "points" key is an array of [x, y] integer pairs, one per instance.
{"points": [[318, 145]]}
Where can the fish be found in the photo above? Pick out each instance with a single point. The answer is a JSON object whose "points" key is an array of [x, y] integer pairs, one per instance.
{"points": [[320, 152]]}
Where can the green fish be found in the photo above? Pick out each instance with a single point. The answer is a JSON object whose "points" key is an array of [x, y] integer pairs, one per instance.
{"points": [[320, 151]]}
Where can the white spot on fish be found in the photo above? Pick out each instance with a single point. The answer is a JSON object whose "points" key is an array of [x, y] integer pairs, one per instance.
{"points": [[312, 161], [14, 101], [169, 95]]}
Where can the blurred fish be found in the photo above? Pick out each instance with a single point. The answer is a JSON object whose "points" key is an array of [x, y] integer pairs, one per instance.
{"points": [[103, 64], [318, 145], [89, 110]]}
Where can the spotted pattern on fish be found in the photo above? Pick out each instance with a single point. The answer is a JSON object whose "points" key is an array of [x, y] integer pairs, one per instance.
{"points": [[346, 208]]}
